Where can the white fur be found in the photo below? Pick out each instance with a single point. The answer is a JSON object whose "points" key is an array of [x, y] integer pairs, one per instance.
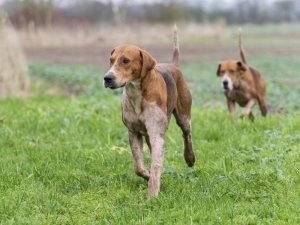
{"points": [[111, 70], [247, 109], [227, 78], [133, 93]]}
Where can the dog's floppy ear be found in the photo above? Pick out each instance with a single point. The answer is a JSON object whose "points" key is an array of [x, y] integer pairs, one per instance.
{"points": [[218, 70], [112, 52], [148, 62], [241, 66]]}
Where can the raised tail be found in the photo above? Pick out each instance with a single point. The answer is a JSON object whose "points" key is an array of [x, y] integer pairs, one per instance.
{"points": [[242, 54], [176, 47]]}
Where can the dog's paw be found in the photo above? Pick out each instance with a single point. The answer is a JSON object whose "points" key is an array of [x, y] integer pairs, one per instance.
{"points": [[144, 173], [189, 158]]}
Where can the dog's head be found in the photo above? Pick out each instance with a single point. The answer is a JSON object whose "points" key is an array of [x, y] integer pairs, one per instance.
{"points": [[127, 63], [230, 72]]}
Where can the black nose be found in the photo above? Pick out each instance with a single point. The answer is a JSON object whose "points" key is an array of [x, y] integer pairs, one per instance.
{"points": [[109, 78], [225, 83]]}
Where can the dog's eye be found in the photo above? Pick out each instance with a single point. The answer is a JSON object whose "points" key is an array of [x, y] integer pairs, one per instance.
{"points": [[231, 71], [125, 61], [222, 72]]}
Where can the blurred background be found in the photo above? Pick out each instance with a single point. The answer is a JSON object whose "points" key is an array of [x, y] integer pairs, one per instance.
{"points": [[207, 28], [47, 33], [83, 12]]}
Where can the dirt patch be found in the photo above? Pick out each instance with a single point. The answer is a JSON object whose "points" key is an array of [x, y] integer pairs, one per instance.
{"points": [[198, 42], [96, 55]]}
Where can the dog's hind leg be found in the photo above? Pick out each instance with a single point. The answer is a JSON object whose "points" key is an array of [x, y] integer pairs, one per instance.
{"points": [[182, 115], [184, 123], [262, 105]]}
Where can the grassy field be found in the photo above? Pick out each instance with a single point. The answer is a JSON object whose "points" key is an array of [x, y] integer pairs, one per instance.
{"points": [[66, 160]]}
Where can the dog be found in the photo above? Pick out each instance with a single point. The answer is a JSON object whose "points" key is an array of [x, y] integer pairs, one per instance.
{"points": [[242, 84], [152, 93]]}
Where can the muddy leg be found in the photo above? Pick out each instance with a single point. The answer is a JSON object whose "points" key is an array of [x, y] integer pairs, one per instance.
{"points": [[136, 144], [246, 111], [231, 108]]}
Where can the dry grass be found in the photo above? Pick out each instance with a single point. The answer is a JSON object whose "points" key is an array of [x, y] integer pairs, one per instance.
{"points": [[141, 34], [14, 78]]}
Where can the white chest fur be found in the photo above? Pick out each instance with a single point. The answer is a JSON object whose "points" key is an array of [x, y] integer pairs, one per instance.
{"points": [[132, 97], [132, 101], [138, 114]]}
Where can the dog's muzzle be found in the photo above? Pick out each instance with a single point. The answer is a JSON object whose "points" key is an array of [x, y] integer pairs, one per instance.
{"points": [[225, 84], [110, 80]]}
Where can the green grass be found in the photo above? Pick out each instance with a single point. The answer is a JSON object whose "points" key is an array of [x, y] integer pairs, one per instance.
{"points": [[72, 164], [66, 160]]}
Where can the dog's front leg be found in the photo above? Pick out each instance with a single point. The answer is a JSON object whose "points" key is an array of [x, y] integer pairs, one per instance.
{"points": [[231, 108], [156, 122], [246, 111], [136, 144], [157, 158]]}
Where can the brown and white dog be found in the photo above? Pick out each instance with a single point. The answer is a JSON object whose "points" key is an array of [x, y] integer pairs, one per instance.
{"points": [[243, 85], [152, 92]]}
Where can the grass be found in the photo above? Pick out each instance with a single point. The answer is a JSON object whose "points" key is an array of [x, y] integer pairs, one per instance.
{"points": [[66, 160], [72, 164]]}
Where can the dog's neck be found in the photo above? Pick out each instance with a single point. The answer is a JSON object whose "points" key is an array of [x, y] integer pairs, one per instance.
{"points": [[134, 94], [133, 85], [237, 86]]}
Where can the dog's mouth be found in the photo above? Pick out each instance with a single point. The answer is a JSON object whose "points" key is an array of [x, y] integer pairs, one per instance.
{"points": [[225, 87], [113, 85], [110, 81]]}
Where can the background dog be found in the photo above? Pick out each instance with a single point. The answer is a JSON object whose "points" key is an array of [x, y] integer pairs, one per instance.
{"points": [[243, 85], [152, 92]]}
